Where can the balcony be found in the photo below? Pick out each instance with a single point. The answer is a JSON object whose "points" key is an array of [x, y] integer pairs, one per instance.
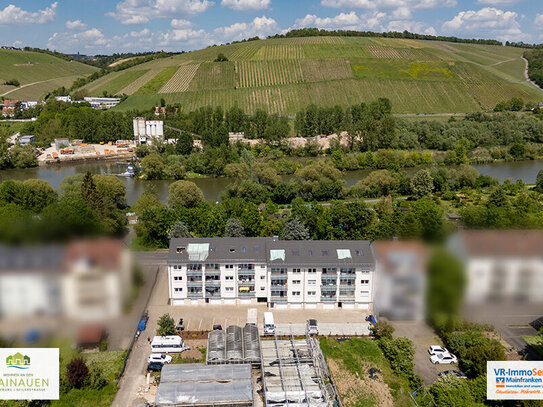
{"points": [[250, 283], [194, 272], [329, 283], [279, 272], [194, 294], [194, 283], [278, 299], [246, 269], [349, 299], [347, 286], [213, 273], [213, 283], [246, 293], [328, 299], [215, 294]]}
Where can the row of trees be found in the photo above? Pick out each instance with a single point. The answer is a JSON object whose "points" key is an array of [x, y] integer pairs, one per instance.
{"points": [[535, 65], [33, 211]]}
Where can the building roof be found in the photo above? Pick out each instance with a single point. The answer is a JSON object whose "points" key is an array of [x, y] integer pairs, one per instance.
{"points": [[105, 253], [31, 259], [209, 250], [320, 252], [502, 243], [391, 253], [195, 383]]}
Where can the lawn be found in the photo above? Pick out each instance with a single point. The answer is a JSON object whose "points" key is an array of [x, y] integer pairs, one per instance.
{"points": [[349, 364], [535, 342]]}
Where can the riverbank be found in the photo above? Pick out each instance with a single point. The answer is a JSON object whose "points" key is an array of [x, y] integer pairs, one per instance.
{"points": [[87, 152]]}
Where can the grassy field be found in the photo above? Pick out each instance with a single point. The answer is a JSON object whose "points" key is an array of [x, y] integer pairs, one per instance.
{"points": [[349, 363], [48, 72], [284, 75]]}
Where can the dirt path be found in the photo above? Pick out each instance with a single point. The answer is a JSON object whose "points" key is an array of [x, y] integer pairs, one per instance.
{"points": [[526, 74], [28, 84]]}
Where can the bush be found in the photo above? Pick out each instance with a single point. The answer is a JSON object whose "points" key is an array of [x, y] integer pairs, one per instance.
{"points": [[400, 353], [221, 58], [383, 329], [12, 82], [77, 373], [451, 392]]}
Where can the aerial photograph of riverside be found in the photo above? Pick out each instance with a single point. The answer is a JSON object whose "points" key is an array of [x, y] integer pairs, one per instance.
{"points": [[271, 203]]}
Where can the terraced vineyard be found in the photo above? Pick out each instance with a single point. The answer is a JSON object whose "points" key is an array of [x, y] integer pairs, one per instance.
{"points": [[284, 75], [38, 73]]}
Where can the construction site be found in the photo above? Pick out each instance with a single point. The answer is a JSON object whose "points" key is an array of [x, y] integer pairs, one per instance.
{"points": [[245, 370]]}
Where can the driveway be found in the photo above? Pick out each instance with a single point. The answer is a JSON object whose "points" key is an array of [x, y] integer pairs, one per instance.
{"points": [[422, 336]]}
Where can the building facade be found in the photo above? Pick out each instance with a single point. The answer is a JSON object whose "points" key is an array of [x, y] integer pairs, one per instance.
{"points": [[147, 130], [283, 274]]}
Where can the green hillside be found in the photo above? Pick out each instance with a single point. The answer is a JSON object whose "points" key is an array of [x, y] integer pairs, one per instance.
{"points": [[37, 73], [286, 74]]}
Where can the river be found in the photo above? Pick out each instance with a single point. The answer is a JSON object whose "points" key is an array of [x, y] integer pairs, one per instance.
{"points": [[212, 187]]}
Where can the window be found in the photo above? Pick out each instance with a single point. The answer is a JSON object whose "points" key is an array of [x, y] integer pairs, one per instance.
{"points": [[296, 293], [310, 252], [178, 278], [325, 252], [364, 281], [228, 288], [296, 270], [295, 252], [180, 249], [359, 253], [311, 282], [262, 277], [228, 266], [243, 249], [311, 293], [262, 288], [296, 281], [365, 271], [175, 267], [262, 266], [232, 250], [311, 270], [178, 290], [228, 277]]}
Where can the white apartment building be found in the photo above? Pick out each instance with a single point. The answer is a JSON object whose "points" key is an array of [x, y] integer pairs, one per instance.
{"points": [[501, 265], [283, 274], [101, 103]]}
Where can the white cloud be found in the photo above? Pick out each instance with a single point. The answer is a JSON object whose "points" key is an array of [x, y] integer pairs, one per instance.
{"points": [[75, 25], [143, 11], [88, 39], [181, 24], [539, 21], [488, 22], [12, 14], [246, 5], [343, 21], [138, 34], [388, 4], [498, 2], [409, 25], [260, 26]]}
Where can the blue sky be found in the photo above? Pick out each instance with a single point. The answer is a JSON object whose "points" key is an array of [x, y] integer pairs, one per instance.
{"points": [[106, 26]]}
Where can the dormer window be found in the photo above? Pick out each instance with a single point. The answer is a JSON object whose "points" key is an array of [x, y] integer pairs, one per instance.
{"points": [[180, 249]]}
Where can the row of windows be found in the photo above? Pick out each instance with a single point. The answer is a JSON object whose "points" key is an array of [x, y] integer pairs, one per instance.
{"points": [[309, 282], [274, 269]]}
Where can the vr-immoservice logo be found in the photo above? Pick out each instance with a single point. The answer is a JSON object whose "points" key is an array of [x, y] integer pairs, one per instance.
{"points": [[514, 380], [29, 374]]}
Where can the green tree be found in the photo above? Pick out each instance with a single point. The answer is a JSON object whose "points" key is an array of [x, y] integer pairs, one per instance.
{"points": [[399, 352], [153, 166], [38, 194], [378, 183], [517, 150], [422, 184], [539, 182], [184, 143], [89, 193], [445, 285], [221, 58], [179, 229], [154, 226], [383, 329], [451, 391], [166, 325], [184, 193], [430, 218], [146, 200], [23, 156], [294, 230], [234, 228]]}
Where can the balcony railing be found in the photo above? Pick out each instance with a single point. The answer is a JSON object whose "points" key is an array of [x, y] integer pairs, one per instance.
{"points": [[278, 299], [194, 283], [328, 299], [246, 293], [278, 273], [194, 295], [348, 298], [213, 283], [194, 272], [213, 294], [246, 283]]}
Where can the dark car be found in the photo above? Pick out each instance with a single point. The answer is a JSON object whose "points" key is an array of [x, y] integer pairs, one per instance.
{"points": [[143, 321], [456, 373], [217, 327], [154, 367]]}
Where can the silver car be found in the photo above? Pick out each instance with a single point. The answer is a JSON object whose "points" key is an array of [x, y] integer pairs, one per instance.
{"points": [[311, 327]]}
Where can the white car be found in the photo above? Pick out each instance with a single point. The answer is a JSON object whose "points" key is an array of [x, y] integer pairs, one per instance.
{"points": [[311, 327], [435, 349], [443, 359], [159, 358]]}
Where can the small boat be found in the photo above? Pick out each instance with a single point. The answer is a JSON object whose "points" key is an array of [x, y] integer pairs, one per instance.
{"points": [[126, 174]]}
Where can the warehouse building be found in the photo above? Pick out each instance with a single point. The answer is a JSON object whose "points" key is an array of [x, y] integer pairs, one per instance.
{"points": [[284, 274], [197, 384]]}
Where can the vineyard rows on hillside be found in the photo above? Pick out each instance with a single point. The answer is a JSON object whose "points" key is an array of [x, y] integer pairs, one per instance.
{"points": [[268, 73], [180, 81], [269, 52], [213, 75]]}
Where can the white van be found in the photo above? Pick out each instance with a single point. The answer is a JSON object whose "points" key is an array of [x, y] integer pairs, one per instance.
{"points": [[252, 315], [269, 325], [168, 344]]}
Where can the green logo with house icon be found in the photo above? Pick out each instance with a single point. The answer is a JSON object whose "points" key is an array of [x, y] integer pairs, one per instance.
{"points": [[18, 361]]}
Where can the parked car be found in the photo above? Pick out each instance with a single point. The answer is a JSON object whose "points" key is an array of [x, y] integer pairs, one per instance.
{"points": [[154, 367], [443, 358], [143, 321], [311, 327], [180, 326], [217, 327], [159, 358], [456, 373], [435, 349]]}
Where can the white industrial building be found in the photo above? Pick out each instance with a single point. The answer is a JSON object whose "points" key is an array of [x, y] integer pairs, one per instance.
{"points": [[101, 103], [147, 130], [283, 274]]}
